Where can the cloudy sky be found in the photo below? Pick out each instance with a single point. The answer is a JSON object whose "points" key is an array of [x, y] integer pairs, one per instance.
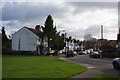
{"points": [[76, 18]]}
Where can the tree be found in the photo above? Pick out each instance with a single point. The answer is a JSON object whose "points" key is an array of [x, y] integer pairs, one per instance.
{"points": [[5, 40], [89, 41], [51, 33], [88, 37], [58, 42]]}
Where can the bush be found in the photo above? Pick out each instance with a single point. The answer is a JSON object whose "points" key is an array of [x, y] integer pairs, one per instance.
{"points": [[109, 51], [11, 52], [109, 55], [118, 53]]}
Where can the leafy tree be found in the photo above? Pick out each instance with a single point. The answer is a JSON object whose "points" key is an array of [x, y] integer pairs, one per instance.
{"points": [[48, 30], [51, 33], [110, 47], [57, 42], [5, 40]]}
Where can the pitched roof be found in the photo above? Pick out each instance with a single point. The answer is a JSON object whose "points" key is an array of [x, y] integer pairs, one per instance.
{"points": [[34, 30]]}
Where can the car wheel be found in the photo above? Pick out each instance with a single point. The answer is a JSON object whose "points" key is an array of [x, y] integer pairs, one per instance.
{"points": [[67, 55], [90, 56], [116, 66], [99, 57], [73, 55]]}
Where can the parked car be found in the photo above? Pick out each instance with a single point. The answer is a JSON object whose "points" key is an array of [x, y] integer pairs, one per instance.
{"points": [[95, 54], [84, 52], [70, 53], [80, 52], [91, 50], [116, 63], [87, 51], [75, 53]]}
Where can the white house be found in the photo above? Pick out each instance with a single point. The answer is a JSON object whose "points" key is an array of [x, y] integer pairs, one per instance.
{"points": [[70, 45], [27, 39]]}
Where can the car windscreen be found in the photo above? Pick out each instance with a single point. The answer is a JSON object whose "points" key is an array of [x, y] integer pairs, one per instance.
{"points": [[95, 53], [70, 52]]}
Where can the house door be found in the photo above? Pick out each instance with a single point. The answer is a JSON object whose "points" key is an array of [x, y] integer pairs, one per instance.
{"points": [[41, 49], [37, 51]]}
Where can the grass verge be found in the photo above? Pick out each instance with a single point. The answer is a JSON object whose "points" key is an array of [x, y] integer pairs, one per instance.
{"points": [[105, 77], [16, 66]]}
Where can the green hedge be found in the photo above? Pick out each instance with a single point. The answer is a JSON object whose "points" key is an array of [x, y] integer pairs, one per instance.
{"points": [[10, 52], [109, 55]]}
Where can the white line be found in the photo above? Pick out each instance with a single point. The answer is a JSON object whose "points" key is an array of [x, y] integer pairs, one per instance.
{"points": [[90, 67]]}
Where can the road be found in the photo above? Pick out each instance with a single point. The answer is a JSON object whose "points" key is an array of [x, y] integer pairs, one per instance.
{"points": [[95, 66]]}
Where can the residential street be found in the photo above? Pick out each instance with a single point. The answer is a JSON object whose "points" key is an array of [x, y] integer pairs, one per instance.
{"points": [[95, 66]]}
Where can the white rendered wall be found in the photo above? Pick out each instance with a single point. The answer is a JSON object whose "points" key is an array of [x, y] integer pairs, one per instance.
{"points": [[26, 39]]}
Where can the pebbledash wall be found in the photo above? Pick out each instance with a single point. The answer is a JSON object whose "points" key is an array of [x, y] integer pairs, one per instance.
{"points": [[24, 40]]}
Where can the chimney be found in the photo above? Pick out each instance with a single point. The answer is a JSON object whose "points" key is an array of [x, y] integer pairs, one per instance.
{"points": [[38, 28], [101, 31]]}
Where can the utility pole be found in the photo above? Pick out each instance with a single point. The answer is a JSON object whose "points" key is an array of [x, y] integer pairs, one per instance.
{"points": [[118, 35], [118, 43], [118, 38], [101, 42]]}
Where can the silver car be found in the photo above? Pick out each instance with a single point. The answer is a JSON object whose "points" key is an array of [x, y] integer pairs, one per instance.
{"points": [[116, 63]]}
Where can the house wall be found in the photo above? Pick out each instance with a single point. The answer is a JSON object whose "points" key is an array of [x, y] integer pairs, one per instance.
{"points": [[24, 38]]}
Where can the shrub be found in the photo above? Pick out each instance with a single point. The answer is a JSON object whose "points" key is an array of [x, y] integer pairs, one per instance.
{"points": [[11, 52], [109, 55]]}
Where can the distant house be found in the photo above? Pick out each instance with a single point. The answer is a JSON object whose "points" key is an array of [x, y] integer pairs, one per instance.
{"points": [[70, 45], [28, 39]]}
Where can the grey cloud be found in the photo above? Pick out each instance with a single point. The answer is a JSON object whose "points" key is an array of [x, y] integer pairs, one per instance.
{"points": [[101, 5], [91, 6], [28, 14], [93, 30], [78, 33], [119, 14], [23, 12], [11, 23]]}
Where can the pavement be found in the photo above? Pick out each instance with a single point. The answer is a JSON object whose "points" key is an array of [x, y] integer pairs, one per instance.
{"points": [[95, 66]]}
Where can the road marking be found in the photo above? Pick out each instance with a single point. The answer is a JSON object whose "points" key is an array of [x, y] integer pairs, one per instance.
{"points": [[86, 64], [90, 67]]}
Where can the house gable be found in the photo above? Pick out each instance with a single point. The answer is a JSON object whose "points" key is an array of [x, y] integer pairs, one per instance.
{"points": [[25, 39]]}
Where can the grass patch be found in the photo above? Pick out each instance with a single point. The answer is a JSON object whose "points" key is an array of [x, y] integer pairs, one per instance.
{"points": [[16, 66], [105, 77]]}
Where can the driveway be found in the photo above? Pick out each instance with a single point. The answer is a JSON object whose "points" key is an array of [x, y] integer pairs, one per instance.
{"points": [[95, 66]]}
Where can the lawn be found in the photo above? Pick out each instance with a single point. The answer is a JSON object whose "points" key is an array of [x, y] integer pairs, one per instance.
{"points": [[18, 66], [105, 77]]}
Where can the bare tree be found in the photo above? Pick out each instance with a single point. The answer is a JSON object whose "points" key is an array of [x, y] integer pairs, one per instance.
{"points": [[88, 37]]}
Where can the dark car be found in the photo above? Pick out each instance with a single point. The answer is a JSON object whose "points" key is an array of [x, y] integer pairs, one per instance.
{"points": [[95, 55], [80, 53], [70, 53], [116, 63]]}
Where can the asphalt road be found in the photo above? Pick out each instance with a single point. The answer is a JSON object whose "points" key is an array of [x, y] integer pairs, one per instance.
{"points": [[95, 66]]}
